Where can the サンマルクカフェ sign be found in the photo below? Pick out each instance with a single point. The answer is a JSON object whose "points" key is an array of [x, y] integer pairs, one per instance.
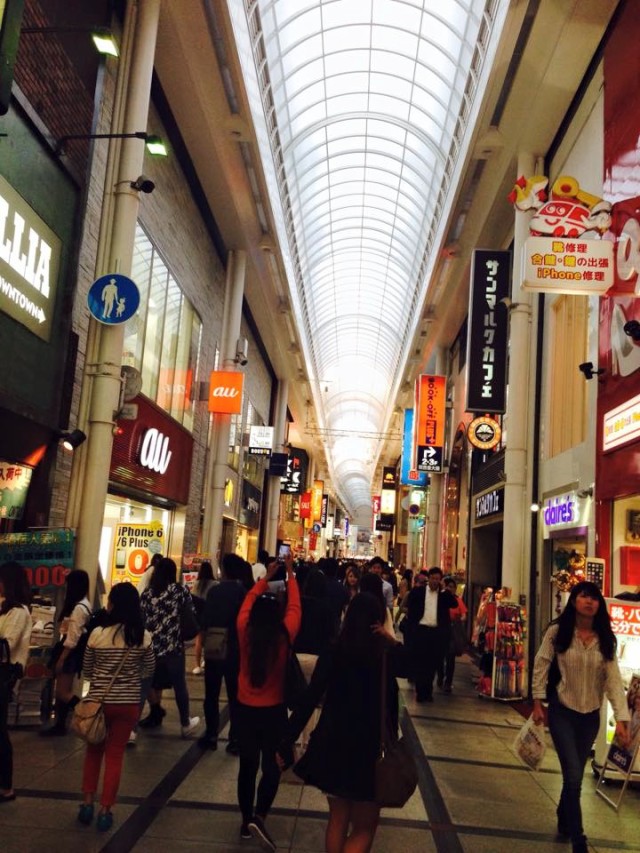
{"points": [[487, 335], [29, 263]]}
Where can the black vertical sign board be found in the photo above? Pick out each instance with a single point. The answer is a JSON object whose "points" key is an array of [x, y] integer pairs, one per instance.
{"points": [[487, 331]]}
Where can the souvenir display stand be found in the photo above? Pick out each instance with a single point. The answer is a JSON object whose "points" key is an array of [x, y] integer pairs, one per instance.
{"points": [[33, 695], [502, 662], [625, 621]]}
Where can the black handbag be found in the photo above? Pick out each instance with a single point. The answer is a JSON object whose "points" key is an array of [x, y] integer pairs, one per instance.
{"points": [[553, 679], [396, 776], [295, 683], [189, 625], [10, 673]]}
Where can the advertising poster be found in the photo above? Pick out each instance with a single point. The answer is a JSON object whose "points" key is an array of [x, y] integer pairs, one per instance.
{"points": [[191, 566], [134, 547], [47, 556], [14, 485]]}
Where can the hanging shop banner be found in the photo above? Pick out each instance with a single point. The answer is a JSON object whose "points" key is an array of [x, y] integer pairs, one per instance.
{"points": [[388, 502], [14, 485], [29, 263], [294, 481], [484, 433], [554, 265], [305, 505], [375, 504], [384, 524], [487, 335], [261, 440], [323, 510], [134, 546], [225, 392], [430, 422], [316, 499], [388, 477], [410, 476], [153, 453], [249, 514], [47, 556]]}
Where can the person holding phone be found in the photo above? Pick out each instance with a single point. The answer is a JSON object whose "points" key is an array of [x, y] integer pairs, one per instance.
{"points": [[266, 634]]}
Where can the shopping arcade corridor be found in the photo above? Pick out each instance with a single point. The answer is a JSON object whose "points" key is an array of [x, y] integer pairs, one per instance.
{"points": [[474, 795]]}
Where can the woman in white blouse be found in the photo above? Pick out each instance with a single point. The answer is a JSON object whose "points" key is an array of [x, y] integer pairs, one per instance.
{"points": [[584, 646], [15, 628]]}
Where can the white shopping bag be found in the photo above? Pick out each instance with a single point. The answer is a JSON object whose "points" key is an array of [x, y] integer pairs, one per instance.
{"points": [[530, 744]]}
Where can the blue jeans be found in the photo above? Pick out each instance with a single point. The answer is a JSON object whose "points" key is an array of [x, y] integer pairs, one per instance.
{"points": [[573, 735]]}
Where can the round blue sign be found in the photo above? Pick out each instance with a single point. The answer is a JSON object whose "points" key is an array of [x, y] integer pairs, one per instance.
{"points": [[113, 299]]}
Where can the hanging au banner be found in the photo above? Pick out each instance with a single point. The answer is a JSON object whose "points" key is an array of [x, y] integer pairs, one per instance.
{"points": [[487, 335]]}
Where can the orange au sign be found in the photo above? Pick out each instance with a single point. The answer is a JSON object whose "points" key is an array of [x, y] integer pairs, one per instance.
{"points": [[225, 392]]}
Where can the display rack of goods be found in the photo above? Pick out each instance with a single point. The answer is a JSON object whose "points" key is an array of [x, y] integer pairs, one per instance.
{"points": [[507, 671]]}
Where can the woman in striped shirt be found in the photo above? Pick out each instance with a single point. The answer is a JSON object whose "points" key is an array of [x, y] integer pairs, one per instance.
{"points": [[584, 646], [123, 643]]}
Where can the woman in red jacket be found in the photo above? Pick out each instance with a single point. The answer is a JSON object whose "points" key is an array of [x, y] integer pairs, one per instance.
{"points": [[265, 637]]}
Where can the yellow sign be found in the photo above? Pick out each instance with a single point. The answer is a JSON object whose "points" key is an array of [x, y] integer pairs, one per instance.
{"points": [[134, 547], [484, 433]]}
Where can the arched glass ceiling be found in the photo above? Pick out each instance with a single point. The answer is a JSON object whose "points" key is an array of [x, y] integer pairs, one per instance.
{"points": [[366, 111]]}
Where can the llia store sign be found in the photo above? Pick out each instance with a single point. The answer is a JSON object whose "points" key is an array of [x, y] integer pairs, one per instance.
{"points": [[29, 263], [225, 392]]}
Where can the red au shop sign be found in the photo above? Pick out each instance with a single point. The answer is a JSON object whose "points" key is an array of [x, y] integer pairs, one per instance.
{"points": [[225, 392], [153, 454]]}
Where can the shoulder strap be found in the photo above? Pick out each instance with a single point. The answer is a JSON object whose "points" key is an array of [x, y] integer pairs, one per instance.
{"points": [[383, 701], [116, 673]]}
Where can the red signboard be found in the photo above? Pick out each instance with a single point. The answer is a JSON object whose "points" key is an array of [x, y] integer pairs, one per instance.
{"points": [[625, 618], [152, 454], [305, 505], [375, 504]]}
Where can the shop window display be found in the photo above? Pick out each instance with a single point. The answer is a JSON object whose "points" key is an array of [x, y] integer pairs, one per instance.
{"points": [[499, 635]]}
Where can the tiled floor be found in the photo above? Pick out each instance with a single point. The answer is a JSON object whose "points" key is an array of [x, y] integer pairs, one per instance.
{"points": [[474, 795]]}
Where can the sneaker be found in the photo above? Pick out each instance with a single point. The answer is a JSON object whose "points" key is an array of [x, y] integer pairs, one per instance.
{"points": [[104, 822], [85, 814], [154, 718], [258, 830], [189, 729], [133, 737], [245, 832], [197, 670]]}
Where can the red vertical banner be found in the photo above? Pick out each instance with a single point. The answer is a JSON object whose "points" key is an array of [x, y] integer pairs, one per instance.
{"points": [[429, 420]]}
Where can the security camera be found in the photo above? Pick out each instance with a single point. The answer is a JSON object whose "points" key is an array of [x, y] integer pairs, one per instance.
{"points": [[632, 328], [242, 351], [589, 370], [143, 184]]}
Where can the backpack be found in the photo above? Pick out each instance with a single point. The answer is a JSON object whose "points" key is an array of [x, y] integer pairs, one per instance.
{"points": [[97, 619]]}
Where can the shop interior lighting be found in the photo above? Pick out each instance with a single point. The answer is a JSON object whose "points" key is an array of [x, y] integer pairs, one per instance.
{"points": [[155, 145], [72, 440]]}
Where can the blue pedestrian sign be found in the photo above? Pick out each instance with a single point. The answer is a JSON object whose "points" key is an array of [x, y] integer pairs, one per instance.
{"points": [[113, 299]]}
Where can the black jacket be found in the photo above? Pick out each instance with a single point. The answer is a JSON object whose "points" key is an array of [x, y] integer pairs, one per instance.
{"points": [[415, 607], [221, 610]]}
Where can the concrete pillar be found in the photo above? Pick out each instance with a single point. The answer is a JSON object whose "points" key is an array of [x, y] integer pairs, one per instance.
{"points": [[104, 375], [219, 441], [516, 526], [273, 483]]}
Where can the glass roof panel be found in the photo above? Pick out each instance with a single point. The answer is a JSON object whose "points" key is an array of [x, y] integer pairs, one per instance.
{"points": [[367, 96]]}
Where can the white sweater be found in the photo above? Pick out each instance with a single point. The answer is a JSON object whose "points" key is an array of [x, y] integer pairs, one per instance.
{"points": [[15, 627]]}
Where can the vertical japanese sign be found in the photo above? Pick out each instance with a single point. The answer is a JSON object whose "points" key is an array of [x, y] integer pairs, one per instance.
{"points": [[487, 338], [294, 482], [316, 499], [323, 510], [410, 476], [430, 422]]}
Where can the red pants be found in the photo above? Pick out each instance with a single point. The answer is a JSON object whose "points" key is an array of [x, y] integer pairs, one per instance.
{"points": [[120, 721]]}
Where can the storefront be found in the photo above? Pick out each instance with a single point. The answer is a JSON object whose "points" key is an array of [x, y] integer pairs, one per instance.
{"points": [[145, 511], [485, 558]]}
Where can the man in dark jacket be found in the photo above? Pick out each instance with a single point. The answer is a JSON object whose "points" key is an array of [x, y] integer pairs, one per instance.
{"points": [[428, 630], [221, 611]]}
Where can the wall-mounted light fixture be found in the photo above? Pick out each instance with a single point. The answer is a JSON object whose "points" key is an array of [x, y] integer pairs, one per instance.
{"points": [[589, 370], [632, 328], [102, 37], [585, 493], [535, 507], [155, 145], [72, 440]]}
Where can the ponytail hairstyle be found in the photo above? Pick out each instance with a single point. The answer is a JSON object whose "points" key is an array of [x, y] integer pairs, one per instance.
{"points": [[566, 622], [264, 631]]}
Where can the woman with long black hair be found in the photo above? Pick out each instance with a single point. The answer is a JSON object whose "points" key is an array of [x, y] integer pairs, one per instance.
{"points": [[584, 647], [15, 628], [162, 603], [265, 636], [121, 649], [67, 663], [341, 757]]}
